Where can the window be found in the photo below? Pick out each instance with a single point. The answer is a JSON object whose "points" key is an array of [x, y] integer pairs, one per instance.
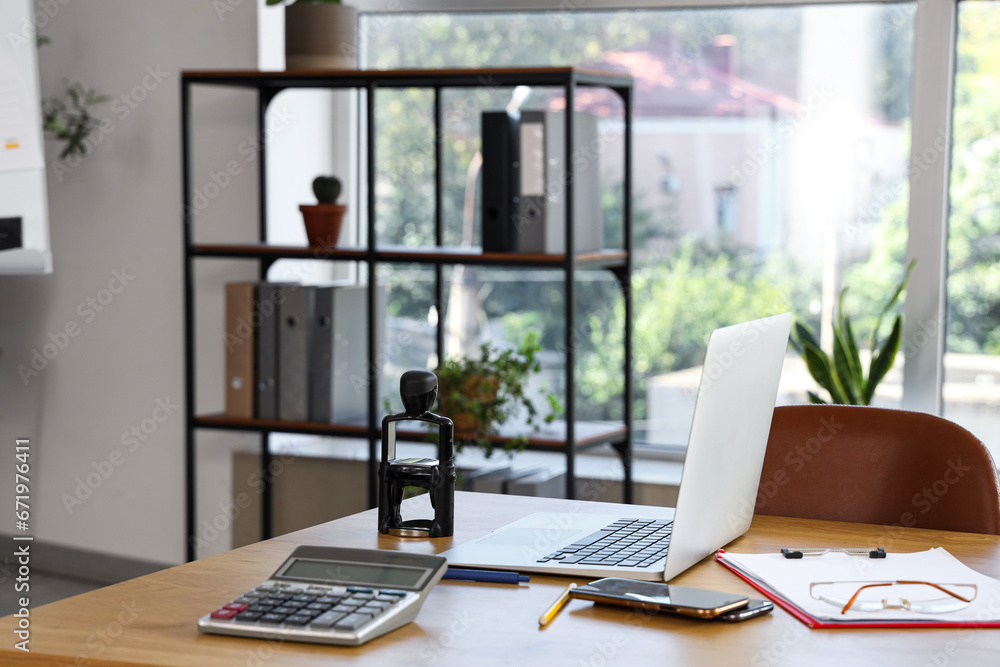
{"points": [[972, 358], [770, 168]]}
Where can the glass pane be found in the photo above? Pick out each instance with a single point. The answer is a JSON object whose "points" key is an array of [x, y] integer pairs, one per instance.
{"points": [[972, 357], [770, 170]]}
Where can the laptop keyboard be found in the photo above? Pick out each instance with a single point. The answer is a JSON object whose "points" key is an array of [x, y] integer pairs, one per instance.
{"points": [[624, 543]]}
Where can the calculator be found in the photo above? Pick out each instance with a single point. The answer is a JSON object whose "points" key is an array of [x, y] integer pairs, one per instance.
{"points": [[330, 595]]}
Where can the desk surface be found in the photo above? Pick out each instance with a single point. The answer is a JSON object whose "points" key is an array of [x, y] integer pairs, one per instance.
{"points": [[151, 620]]}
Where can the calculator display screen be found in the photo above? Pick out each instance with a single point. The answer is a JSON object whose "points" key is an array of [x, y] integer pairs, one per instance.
{"points": [[341, 572]]}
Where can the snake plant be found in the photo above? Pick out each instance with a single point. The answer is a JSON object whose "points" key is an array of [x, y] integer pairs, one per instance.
{"points": [[843, 376]]}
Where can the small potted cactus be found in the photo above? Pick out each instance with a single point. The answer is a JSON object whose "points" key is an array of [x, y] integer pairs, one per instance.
{"points": [[323, 220]]}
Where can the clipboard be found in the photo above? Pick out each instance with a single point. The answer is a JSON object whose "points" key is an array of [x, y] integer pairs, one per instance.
{"points": [[787, 588]]}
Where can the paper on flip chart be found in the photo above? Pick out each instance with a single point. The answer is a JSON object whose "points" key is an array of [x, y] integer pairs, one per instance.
{"points": [[789, 579], [20, 119]]}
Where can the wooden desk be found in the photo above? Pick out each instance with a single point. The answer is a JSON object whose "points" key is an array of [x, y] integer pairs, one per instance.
{"points": [[151, 620]]}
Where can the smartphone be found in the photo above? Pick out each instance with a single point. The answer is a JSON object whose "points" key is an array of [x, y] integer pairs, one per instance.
{"points": [[660, 597], [753, 609]]}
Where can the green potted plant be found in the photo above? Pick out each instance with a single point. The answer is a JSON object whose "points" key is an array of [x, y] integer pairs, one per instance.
{"points": [[480, 394], [320, 34], [324, 219], [843, 376], [68, 118]]}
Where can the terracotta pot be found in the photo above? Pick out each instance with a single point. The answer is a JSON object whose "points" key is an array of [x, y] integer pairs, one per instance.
{"points": [[479, 389], [321, 36], [323, 222]]}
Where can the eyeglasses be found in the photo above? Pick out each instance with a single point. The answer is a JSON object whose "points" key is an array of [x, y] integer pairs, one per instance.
{"points": [[922, 597]]}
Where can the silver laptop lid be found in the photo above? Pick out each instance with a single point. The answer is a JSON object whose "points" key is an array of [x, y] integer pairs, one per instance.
{"points": [[729, 431]]}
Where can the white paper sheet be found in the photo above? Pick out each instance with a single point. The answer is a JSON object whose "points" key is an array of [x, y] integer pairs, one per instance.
{"points": [[20, 119], [790, 579]]}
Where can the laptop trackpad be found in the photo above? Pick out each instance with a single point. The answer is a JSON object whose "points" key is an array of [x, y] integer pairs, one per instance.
{"points": [[518, 537]]}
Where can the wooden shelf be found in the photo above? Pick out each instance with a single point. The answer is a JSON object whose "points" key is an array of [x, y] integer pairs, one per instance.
{"points": [[266, 251], [409, 78], [225, 423], [475, 256], [549, 437], [403, 254]]}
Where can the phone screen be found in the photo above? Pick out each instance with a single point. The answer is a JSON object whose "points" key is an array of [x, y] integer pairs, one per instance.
{"points": [[662, 597]]}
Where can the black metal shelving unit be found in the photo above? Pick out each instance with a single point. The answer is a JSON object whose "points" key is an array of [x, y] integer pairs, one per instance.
{"points": [[573, 436]]}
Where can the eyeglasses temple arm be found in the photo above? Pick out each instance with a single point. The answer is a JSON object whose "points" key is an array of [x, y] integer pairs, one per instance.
{"points": [[940, 588]]}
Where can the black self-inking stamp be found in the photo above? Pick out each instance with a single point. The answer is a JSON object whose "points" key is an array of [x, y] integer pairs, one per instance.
{"points": [[418, 390]]}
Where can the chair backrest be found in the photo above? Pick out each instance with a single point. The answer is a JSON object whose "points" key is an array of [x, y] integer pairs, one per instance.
{"points": [[880, 466]]}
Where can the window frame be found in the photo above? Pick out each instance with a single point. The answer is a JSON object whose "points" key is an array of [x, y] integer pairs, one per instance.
{"points": [[929, 175]]}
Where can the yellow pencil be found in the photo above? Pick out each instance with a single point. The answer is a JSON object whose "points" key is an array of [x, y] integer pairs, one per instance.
{"points": [[556, 607]]}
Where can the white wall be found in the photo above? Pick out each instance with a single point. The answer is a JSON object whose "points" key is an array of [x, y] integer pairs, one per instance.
{"points": [[116, 237]]}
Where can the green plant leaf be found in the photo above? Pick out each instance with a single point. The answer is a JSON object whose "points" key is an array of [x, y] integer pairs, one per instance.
{"points": [[850, 342], [815, 399], [840, 307], [803, 335], [852, 348], [796, 345], [897, 291], [883, 360], [847, 374], [817, 361], [820, 368], [847, 362]]}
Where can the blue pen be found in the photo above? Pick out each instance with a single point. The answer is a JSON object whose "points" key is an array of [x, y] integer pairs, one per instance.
{"points": [[487, 576]]}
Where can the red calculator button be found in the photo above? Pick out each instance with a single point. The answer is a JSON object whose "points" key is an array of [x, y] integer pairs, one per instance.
{"points": [[224, 614], [237, 606]]}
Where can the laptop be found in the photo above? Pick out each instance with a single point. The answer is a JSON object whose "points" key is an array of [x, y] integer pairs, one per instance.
{"points": [[722, 466]]}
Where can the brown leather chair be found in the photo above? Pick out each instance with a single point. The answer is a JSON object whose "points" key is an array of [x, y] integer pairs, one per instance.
{"points": [[873, 465]]}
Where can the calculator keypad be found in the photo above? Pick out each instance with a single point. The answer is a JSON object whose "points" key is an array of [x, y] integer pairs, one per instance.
{"points": [[320, 609]]}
